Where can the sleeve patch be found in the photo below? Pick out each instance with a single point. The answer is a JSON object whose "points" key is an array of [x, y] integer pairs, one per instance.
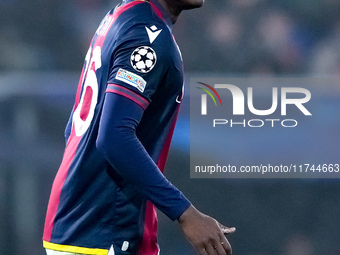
{"points": [[143, 59], [131, 79]]}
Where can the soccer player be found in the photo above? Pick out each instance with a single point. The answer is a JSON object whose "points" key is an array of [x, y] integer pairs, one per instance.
{"points": [[104, 195]]}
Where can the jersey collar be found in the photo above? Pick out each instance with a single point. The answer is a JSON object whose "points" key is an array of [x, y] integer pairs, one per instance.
{"points": [[158, 8]]}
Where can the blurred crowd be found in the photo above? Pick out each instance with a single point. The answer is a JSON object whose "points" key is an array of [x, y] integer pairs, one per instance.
{"points": [[266, 36], [229, 36]]}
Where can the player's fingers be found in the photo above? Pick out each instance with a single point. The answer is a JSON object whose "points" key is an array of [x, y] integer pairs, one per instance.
{"points": [[219, 247], [226, 230], [226, 245], [202, 251], [210, 249]]}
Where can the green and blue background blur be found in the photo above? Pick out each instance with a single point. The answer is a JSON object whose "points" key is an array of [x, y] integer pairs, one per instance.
{"points": [[42, 47]]}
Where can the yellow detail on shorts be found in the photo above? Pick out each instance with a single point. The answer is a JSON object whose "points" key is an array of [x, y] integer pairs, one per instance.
{"points": [[74, 249]]}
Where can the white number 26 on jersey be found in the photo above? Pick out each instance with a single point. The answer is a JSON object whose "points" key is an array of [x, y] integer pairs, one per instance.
{"points": [[84, 112]]}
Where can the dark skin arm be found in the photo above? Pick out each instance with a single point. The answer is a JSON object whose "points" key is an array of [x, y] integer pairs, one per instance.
{"points": [[205, 234]]}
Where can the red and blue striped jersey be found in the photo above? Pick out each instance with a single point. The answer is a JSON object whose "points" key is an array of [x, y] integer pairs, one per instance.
{"points": [[97, 204]]}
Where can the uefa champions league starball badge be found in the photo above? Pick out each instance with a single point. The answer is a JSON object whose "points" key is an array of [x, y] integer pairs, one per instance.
{"points": [[143, 59]]}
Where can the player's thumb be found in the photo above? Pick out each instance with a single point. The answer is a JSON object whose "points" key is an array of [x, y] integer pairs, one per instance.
{"points": [[226, 230]]}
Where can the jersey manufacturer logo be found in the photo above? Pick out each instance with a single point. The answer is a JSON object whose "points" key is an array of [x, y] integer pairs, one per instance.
{"points": [[131, 79], [153, 33], [111, 251], [143, 59]]}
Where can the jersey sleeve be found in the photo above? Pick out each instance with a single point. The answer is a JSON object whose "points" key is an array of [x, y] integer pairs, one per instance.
{"points": [[118, 143], [140, 62]]}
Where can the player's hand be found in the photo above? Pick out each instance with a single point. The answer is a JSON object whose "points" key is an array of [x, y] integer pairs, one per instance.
{"points": [[205, 233]]}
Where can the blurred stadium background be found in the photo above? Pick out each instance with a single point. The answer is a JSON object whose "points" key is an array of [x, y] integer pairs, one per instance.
{"points": [[42, 47]]}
